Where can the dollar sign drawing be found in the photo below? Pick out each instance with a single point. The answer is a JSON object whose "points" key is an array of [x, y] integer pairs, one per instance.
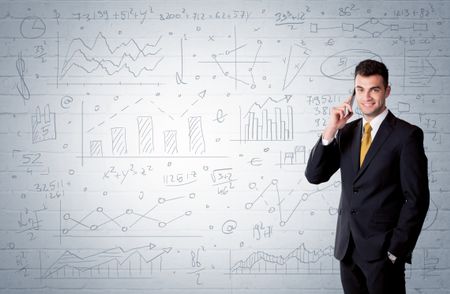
{"points": [[22, 86]]}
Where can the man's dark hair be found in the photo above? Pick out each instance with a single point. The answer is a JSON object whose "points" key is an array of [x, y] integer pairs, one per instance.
{"points": [[371, 67]]}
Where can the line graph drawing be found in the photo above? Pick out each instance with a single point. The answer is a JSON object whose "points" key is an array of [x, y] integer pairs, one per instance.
{"points": [[272, 199], [127, 56], [265, 122], [139, 262], [98, 218], [299, 261]]}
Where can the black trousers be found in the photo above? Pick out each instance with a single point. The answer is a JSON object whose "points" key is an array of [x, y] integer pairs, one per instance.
{"points": [[375, 277]]}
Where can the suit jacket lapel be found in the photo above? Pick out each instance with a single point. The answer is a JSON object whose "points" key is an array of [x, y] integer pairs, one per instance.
{"points": [[383, 133]]}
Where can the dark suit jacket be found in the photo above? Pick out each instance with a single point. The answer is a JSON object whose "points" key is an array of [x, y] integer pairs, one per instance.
{"points": [[384, 203]]}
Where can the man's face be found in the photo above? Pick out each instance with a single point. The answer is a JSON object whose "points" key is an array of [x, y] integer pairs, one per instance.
{"points": [[371, 95]]}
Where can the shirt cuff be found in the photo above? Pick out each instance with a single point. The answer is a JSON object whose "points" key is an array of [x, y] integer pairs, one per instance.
{"points": [[326, 142], [392, 257]]}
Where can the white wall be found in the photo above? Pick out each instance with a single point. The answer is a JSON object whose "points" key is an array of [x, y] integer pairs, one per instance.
{"points": [[131, 159]]}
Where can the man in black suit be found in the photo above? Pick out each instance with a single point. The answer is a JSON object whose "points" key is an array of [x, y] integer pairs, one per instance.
{"points": [[385, 194]]}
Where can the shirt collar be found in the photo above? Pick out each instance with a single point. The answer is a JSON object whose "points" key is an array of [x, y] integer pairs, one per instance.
{"points": [[375, 123]]}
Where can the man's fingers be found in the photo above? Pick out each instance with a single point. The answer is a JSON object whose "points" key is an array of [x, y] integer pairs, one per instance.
{"points": [[340, 111], [348, 108]]}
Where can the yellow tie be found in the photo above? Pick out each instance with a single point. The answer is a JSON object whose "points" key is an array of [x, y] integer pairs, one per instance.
{"points": [[365, 143]]}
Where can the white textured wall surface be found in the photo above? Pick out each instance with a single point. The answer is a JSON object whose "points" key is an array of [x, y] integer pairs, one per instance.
{"points": [[160, 146]]}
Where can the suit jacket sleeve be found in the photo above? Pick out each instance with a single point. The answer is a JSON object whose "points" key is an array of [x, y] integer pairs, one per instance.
{"points": [[323, 162], [414, 185]]}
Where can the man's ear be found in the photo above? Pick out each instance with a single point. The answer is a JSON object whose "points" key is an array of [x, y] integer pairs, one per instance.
{"points": [[388, 90]]}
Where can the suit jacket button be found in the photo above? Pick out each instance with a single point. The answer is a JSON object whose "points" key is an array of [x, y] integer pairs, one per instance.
{"points": [[353, 211]]}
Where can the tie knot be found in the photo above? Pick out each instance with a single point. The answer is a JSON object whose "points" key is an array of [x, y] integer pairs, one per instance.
{"points": [[367, 128]]}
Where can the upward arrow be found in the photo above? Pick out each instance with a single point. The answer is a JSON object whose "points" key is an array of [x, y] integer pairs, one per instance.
{"points": [[202, 94]]}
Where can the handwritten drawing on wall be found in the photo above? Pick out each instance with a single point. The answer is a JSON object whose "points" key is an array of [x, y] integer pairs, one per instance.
{"points": [[162, 144]]}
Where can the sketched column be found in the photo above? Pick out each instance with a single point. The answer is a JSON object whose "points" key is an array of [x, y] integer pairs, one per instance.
{"points": [[290, 124], [196, 140], [145, 134], [96, 149], [170, 142], [300, 154], [119, 141]]}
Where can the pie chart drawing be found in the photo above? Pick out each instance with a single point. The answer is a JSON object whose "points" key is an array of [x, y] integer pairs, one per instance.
{"points": [[32, 27], [341, 66]]}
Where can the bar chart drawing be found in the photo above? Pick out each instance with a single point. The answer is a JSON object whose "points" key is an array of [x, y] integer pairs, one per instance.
{"points": [[268, 123], [139, 136]]}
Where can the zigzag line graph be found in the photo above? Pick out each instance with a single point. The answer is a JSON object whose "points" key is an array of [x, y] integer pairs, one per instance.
{"points": [[111, 263], [271, 198], [267, 101], [97, 219], [115, 59], [262, 262]]}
